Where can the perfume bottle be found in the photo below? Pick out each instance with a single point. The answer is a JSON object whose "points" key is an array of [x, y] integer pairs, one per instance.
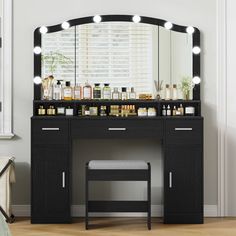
{"points": [[57, 91], [132, 94], [87, 91], [97, 91], [168, 111], [123, 94], [68, 91], [77, 92], [167, 92], [116, 94], [164, 110], [174, 92], [106, 92]]}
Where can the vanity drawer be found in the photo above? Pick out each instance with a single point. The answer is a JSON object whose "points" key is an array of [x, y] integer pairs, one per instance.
{"points": [[50, 131], [117, 128], [184, 131]]}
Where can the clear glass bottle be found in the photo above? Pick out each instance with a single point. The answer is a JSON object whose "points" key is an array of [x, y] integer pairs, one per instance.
{"points": [[164, 110], [116, 94], [168, 111], [174, 92], [67, 91], [181, 109], [57, 91], [106, 91], [167, 92], [87, 91], [124, 94], [77, 92], [132, 94], [97, 94]]}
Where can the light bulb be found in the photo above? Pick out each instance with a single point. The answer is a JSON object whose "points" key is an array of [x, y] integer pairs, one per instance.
{"points": [[37, 80], [136, 19], [196, 50], [43, 30], [65, 25], [168, 25], [196, 80], [97, 19], [37, 50], [190, 30]]}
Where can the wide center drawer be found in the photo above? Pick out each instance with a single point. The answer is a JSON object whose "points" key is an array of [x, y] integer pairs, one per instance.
{"points": [[117, 128], [50, 131], [184, 131]]}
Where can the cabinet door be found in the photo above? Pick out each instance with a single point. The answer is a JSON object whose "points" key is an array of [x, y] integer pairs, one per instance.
{"points": [[183, 195], [50, 185]]}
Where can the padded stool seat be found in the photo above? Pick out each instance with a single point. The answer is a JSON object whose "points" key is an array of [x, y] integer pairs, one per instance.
{"points": [[118, 170], [117, 165]]}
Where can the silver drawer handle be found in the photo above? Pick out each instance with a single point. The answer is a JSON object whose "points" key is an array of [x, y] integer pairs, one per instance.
{"points": [[63, 179], [170, 179], [50, 129], [183, 129], [117, 129]]}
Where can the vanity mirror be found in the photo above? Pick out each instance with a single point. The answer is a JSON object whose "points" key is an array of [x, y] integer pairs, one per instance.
{"points": [[148, 54]]}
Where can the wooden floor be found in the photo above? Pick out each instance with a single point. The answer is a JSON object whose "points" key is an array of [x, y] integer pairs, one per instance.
{"points": [[126, 227]]}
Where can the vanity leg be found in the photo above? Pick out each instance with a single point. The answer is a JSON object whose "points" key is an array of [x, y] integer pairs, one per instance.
{"points": [[86, 197], [149, 219]]}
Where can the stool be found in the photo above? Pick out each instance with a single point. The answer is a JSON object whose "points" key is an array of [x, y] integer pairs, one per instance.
{"points": [[111, 170]]}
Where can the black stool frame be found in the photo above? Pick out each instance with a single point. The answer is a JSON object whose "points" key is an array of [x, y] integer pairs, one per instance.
{"points": [[11, 218], [118, 206]]}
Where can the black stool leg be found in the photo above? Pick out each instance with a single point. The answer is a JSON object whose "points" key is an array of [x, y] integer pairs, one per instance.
{"points": [[149, 197], [86, 198]]}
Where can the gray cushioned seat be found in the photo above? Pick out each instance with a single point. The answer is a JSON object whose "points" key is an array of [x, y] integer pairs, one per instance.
{"points": [[117, 164]]}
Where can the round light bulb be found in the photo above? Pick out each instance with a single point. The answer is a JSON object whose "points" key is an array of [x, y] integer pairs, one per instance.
{"points": [[65, 25], [37, 50], [190, 30], [168, 25], [196, 80], [97, 19], [43, 30], [196, 50], [136, 19], [37, 80]]}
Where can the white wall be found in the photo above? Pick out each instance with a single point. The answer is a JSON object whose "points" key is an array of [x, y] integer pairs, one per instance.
{"points": [[30, 14], [231, 110]]}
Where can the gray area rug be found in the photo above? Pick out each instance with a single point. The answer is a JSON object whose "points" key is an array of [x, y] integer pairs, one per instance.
{"points": [[4, 230]]}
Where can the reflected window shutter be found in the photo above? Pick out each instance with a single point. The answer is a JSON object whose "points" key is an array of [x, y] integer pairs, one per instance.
{"points": [[117, 53]]}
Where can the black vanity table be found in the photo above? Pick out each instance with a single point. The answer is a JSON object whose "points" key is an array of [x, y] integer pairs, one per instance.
{"points": [[52, 136]]}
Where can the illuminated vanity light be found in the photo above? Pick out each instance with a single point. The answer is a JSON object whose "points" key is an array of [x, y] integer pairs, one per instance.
{"points": [[168, 25], [97, 19], [196, 80], [190, 30], [43, 30], [65, 25], [37, 50], [196, 50], [37, 80], [136, 19]]}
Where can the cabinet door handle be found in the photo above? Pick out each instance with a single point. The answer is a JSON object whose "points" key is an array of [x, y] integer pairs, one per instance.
{"points": [[63, 179], [183, 129], [50, 129], [117, 129], [170, 179]]}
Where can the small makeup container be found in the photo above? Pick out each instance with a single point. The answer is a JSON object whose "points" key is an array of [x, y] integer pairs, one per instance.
{"points": [[69, 111], [190, 111], [61, 111], [41, 111], [142, 111], [93, 111], [152, 111]]}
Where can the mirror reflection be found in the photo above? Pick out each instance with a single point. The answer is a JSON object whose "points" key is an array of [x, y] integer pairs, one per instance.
{"points": [[148, 58]]}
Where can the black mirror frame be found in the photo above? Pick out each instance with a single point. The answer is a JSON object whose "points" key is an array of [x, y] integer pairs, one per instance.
{"points": [[126, 18]]}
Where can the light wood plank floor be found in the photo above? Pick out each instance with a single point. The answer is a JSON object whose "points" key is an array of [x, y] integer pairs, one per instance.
{"points": [[126, 227]]}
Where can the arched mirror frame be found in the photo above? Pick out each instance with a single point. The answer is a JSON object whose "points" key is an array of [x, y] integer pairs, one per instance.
{"points": [[125, 18]]}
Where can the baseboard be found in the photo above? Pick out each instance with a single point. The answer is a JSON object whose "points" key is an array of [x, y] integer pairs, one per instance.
{"points": [[78, 211]]}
